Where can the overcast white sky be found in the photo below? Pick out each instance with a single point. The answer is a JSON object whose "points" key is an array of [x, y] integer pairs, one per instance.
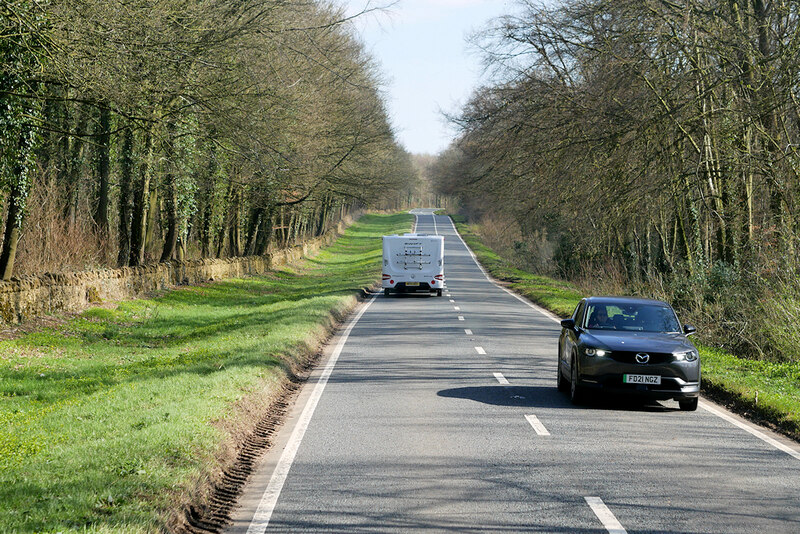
{"points": [[421, 48]]}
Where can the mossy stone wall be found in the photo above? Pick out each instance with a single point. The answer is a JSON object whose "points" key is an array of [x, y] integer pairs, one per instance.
{"points": [[30, 296]]}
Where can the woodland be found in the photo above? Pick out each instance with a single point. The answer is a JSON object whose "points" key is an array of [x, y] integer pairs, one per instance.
{"points": [[648, 147], [150, 130]]}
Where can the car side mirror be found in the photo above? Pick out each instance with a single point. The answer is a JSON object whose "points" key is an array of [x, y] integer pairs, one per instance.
{"points": [[689, 329], [569, 324]]}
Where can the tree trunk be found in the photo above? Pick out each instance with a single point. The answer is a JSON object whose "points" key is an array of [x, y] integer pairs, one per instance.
{"points": [[170, 198], [205, 237], [140, 203], [266, 233], [62, 149], [254, 227], [223, 229], [291, 235], [235, 237], [323, 215], [125, 212], [75, 166], [103, 170], [206, 234], [153, 218], [17, 201], [12, 234]]}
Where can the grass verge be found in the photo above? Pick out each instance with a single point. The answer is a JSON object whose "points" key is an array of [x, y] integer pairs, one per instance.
{"points": [[112, 421], [768, 392]]}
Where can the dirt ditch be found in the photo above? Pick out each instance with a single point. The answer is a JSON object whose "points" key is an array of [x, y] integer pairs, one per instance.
{"points": [[214, 515]]}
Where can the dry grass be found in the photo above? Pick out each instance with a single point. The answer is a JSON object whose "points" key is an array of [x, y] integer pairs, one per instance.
{"points": [[533, 252], [49, 243]]}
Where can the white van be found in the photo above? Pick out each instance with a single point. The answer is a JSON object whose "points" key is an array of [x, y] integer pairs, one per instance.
{"points": [[413, 262]]}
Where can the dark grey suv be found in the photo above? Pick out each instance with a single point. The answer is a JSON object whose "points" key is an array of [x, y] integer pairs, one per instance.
{"points": [[628, 345]]}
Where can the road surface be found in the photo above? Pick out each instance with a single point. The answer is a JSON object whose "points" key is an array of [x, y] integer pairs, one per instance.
{"points": [[440, 414]]}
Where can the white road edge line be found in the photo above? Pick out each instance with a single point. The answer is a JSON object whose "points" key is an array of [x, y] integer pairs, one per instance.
{"points": [[468, 331], [489, 278], [753, 431], [605, 516], [480, 350], [537, 425], [265, 508], [435, 230], [747, 428], [500, 378]]}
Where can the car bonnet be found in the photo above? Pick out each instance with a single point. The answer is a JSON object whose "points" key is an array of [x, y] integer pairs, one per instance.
{"points": [[641, 341]]}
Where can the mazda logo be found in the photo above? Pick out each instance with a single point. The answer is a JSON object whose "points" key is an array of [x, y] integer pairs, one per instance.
{"points": [[642, 357]]}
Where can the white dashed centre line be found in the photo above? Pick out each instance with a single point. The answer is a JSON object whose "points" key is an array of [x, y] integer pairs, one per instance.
{"points": [[537, 425], [468, 331], [456, 308], [460, 317], [480, 350], [500, 378], [451, 300], [605, 516]]}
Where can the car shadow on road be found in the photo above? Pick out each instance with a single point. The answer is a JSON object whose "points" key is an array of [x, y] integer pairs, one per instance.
{"points": [[549, 397], [411, 295]]}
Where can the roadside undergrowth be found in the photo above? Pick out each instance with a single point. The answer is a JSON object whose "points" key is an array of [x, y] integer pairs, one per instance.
{"points": [[118, 419], [765, 391]]}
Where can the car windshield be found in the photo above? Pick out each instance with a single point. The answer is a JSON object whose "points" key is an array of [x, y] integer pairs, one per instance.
{"points": [[633, 317]]}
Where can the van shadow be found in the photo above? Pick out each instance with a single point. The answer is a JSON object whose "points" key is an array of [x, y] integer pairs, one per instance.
{"points": [[550, 397], [411, 294]]}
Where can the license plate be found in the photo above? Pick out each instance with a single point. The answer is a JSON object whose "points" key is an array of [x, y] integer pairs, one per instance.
{"points": [[641, 379], [412, 284]]}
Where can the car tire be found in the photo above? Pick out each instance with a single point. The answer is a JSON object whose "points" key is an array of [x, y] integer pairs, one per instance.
{"points": [[576, 394], [561, 383], [438, 292], [386, 292], [689, 405]]}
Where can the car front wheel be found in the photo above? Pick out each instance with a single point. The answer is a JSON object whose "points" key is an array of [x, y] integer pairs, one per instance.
{"points": [[561, 382], [576, 394], [688, 405]]}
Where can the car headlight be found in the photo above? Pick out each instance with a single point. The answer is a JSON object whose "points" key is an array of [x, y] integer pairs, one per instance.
{"points": [[688, 356], [590, 351]]}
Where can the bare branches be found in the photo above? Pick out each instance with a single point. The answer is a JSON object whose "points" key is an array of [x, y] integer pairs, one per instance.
{"points": [[623, 107], [202, 120]]}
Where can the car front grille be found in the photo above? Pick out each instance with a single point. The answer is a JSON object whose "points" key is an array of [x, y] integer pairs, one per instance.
{"points": [[630, 357]]}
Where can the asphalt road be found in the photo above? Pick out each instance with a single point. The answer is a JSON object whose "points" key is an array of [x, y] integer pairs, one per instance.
{"points": [[440, 414]]}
